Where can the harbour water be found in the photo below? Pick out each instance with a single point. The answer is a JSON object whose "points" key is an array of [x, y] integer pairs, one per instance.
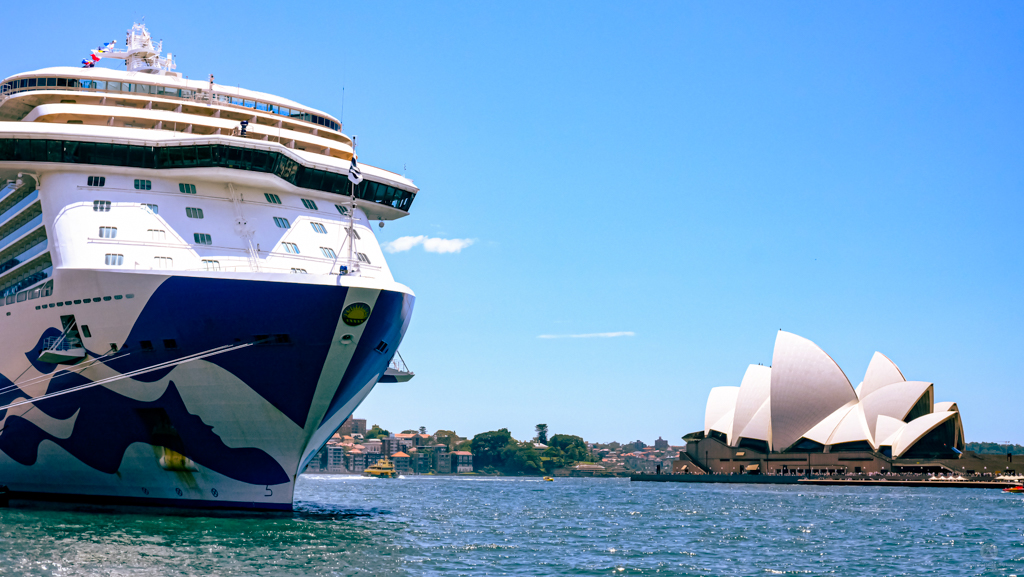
{"points": [[505, 526]]}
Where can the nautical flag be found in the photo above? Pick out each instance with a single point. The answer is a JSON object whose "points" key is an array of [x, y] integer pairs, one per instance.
{"points": [[94, 57], [354, 174]]}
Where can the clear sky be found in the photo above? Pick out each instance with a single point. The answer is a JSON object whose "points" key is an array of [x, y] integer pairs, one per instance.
{"points": [[695, 175]]}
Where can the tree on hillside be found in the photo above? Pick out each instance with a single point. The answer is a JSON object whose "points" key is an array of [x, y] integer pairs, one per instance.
{"points": [[423, 430], [487, 447], [521, 458], [542, 433], [409, 432], [574, 447], [447, 438], [376, 432]]}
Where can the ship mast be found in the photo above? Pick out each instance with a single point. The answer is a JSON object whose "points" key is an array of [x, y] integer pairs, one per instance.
{"points": [[141, 55]]}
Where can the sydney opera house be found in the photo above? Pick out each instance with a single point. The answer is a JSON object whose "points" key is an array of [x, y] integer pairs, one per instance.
{"points": [[803, 415]]}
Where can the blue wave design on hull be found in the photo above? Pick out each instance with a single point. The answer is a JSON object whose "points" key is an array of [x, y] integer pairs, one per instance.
{"points": [[201, 314], [108, 423]]}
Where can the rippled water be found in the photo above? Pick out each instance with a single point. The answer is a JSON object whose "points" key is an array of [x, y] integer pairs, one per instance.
{"points": [[495, 526]]}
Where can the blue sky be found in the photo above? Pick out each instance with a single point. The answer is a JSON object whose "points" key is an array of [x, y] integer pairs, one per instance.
{"points": [[698, 175]]}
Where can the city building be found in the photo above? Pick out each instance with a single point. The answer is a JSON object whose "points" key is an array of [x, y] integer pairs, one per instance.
{"points": [[660, 444], [336, 459], [353, 427], [355, 460], [401, 462], [802, 415], [462, 462]]}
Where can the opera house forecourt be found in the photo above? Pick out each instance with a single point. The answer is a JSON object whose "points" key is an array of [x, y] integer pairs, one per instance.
{"points": [[802, 416]]}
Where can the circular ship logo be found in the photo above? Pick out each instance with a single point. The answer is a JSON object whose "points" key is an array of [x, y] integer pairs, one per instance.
{"points": [[356, 314]]}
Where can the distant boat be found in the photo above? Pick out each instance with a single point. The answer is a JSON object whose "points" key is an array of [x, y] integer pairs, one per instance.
{"points": [[1017, 489], [383, 469], [549, 478]]}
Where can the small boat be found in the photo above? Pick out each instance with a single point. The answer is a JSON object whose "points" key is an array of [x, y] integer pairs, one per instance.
{"points": [[383, 469], [1017, 489], [549, 478]]}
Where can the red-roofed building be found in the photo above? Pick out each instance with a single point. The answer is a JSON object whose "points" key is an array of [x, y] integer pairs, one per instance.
{"points": [[401, 461], [462, 462]]}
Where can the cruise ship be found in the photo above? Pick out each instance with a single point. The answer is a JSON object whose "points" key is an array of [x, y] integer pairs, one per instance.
{"points": [[193, 297]]}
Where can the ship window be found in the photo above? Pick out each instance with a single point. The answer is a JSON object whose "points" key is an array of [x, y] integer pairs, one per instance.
{"points": [[114, 259], [86, 332], [193, 212], [108, 232], [363, 257], [290, 247], [202, 238], [152, 208], [143, 184], [97, 180], [187, 188], [328, 252], [272, 198], [146, 345], [157, 235], [281, 222], [211, 265], [341, 209], [170, 344], [106, 298], [101, 205], [319, 227], [163, 262], [353, 233], [309, 204], [298, 271], [62, 82]]}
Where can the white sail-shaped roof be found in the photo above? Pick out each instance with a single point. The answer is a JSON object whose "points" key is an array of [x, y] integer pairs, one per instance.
{"points": [[851, 429], [945, 406], [821, 432], [759, 427], [881, 372], [806, 386], [754, 389], [917, 429], [887, 429], [721, 403], [894, 401]]}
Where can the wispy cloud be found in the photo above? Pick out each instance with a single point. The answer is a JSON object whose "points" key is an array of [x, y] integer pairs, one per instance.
{"points": [[590, 335], [429, 244]]}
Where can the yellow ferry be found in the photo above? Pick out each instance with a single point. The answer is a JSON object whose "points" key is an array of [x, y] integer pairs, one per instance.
{"points": [[383, 469]]}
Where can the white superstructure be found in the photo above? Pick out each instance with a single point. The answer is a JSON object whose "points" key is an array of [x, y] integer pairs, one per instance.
{"points": [[193, 295]]}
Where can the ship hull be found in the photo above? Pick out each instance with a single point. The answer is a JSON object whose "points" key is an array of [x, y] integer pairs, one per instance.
{"points": [[220, 392]]}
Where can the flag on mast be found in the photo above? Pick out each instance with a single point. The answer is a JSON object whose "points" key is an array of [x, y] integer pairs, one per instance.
{"points": [[354, 174]]}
